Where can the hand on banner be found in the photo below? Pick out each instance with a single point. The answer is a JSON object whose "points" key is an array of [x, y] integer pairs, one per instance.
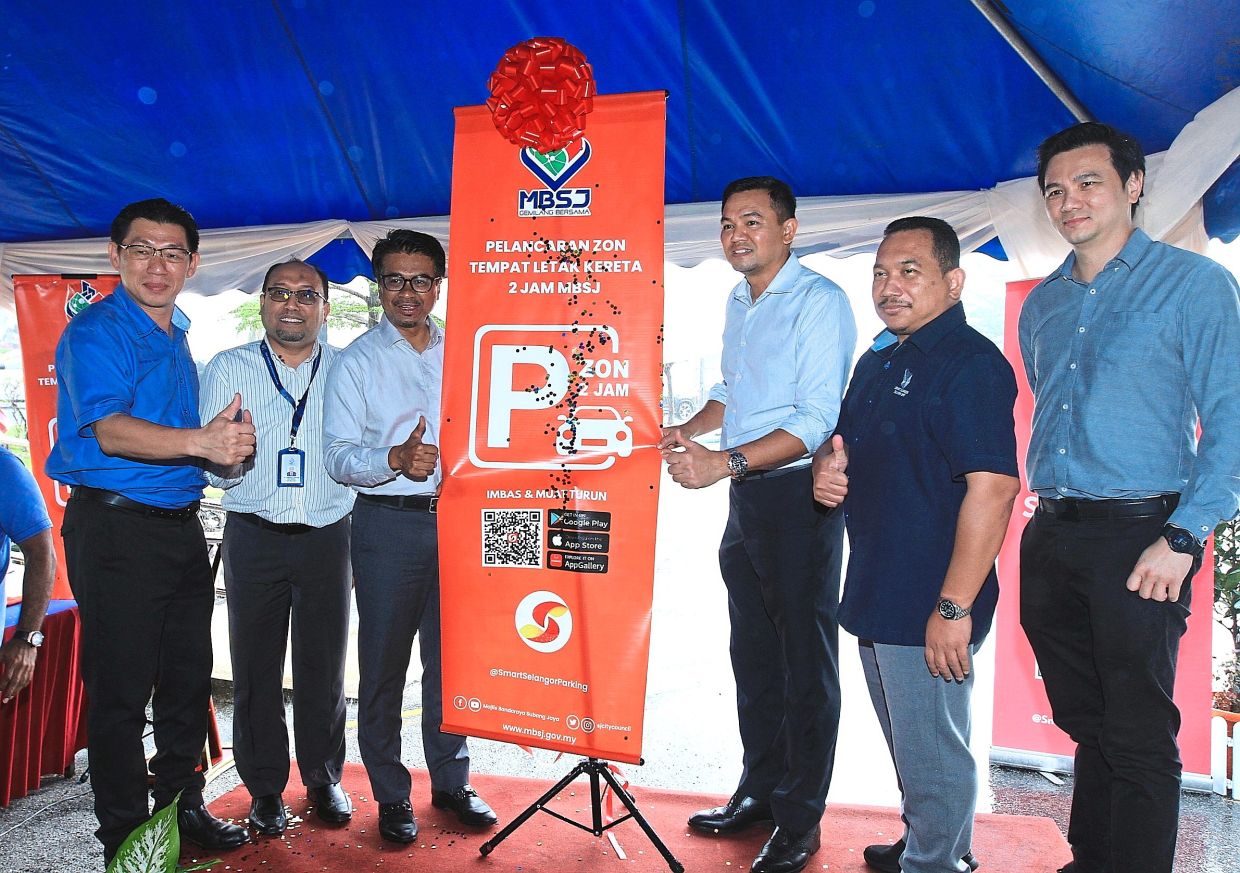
{"points": [[947, 647], [228, 439], [1160, 572], [690, 463], [830, 481], [414, 458]]}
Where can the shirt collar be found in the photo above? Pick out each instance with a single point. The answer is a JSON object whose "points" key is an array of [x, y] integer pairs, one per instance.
{"points": [[392, 336], [141, 320], [1132, 252], [928, 335], [785, 280]]}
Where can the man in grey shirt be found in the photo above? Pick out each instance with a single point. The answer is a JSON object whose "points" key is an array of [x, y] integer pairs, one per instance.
{"points": [[285, 553], [1127, 346]]}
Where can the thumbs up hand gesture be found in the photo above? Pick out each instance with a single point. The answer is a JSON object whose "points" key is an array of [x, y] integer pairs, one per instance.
{"points": [[830, 479], [414, 458], [228, 439]]}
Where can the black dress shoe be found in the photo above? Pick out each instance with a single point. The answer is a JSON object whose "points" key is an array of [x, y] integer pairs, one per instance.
{"points": [[739, 813], [331, 803], [396, 822], [267, 815], [786, 851], [468, 806], [887, 858], [200, 827]]}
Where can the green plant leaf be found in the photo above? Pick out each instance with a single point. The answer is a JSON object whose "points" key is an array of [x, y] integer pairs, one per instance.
{"points": [[153, 847]]}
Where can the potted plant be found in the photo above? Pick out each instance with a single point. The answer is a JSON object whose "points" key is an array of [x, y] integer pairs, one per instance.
{"points": [[1227, 613]]}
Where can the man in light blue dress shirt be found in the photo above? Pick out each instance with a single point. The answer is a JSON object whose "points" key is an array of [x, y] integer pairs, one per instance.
{"points": [[285, 553], [1127, 346], [788, 342], [382, 433]]}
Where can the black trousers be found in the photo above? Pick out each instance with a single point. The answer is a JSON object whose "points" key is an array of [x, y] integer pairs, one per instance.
{"points": [[1108, 659], [145, 594], [272, 578], [780, 561]]}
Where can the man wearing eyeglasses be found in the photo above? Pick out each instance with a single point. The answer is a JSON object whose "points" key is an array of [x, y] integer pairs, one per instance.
{"points": [[130, 442], [285, 553], [381, 429]]}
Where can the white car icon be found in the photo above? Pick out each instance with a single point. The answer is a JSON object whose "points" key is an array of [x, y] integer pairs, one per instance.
{"points": [[595, 429]]}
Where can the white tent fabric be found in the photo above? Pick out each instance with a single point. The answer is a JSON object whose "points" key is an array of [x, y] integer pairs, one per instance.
{"points": [[841, 226]]}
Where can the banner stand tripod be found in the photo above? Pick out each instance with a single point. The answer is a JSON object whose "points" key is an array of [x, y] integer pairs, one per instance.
{"points": [[596, 769]]}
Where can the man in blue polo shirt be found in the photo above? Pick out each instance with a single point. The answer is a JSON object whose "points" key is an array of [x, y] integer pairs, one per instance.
{"points": [[23, 520], [130, 444], [925, 452]]}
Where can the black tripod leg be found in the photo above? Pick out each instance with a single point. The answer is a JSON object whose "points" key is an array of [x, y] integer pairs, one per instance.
{"points": [[538, 804], [627, 800]]}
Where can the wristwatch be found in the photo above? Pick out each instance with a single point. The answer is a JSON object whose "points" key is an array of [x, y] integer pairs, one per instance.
{"points": [[1182, 541], [34, 639], [738, 464], [951, 611]]}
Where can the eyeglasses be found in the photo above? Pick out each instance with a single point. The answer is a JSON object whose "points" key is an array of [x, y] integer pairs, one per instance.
{"points": [[281, 295], [420, 283], [143, 252]]}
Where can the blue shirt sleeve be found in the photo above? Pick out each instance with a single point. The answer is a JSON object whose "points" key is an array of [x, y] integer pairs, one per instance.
{"points": [[22, 513], [92, 363], [1210, 338], [973, 425], [826, 337]]}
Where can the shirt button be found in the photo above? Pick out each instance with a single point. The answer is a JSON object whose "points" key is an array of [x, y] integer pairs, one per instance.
{"points": [[1063, 488], [1093, 290], [1080, 329], [1065, 406], [1063, 451], [1072, 366]]}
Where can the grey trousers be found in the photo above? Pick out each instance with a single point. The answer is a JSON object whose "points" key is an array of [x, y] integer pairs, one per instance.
{"points": [[927, 723], [272, 578], [396, 582]]}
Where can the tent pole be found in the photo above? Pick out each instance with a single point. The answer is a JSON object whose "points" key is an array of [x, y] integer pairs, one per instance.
{"points": [[1030, 57]]}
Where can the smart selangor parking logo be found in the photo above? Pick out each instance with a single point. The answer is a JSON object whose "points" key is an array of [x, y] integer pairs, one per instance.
{"points": [[554, 169], [544, 622]]}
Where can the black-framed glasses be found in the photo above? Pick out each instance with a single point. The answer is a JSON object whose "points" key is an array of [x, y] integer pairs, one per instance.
{"points": [[420, 283], [143, 252], [305, 296]]}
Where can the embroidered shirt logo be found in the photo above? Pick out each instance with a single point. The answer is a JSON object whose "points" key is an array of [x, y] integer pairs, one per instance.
{"points": [[901, 390]]}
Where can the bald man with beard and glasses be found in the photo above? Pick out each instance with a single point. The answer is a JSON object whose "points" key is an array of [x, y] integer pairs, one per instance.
{"points": [[286, 554]]}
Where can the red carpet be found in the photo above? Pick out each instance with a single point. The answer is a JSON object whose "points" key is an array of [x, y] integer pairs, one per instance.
{"points": [[1003, 843]]}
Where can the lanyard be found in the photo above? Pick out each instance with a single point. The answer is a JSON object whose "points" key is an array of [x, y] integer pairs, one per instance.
{"points": [[299, 406]]}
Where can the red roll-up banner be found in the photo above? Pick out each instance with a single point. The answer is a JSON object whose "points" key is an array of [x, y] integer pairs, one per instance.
{"points": [[44, 306], [552, 380], [1022, 713]]}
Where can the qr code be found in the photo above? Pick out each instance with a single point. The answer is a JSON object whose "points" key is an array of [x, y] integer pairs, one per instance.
{"points": [[512, 538]]}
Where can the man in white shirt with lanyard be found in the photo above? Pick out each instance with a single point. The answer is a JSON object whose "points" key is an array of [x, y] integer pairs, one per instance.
{"points": [[285, 551], [382, 435]]}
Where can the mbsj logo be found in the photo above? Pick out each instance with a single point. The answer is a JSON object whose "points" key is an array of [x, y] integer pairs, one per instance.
{"points": [[522, 415], [76, 300], [554, 169], [544, 622]]}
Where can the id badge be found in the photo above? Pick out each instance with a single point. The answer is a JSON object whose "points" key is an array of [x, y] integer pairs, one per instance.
{"points": [[290, 468]]}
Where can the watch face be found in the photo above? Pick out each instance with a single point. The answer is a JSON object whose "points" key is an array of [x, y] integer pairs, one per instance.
{"points": [[947, 609], [35, 638]]}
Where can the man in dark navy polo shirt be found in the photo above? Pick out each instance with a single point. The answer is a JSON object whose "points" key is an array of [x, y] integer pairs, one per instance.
{"points": [[925, 452], [129, 444]]}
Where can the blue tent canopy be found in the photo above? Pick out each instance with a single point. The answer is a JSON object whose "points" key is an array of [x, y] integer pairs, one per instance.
{"points": [[296, 110]]}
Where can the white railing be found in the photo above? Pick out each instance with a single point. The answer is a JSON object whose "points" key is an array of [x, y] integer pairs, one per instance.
{"points": [[1220, 741]]}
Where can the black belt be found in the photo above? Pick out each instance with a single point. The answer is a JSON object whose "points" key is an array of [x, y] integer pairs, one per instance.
{"points": [[251, 518], [1079, 509], [422, 502], [120, 501], [758, 475]]}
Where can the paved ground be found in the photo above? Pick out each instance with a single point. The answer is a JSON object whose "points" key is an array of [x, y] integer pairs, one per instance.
{"points": [[690, 738]]}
